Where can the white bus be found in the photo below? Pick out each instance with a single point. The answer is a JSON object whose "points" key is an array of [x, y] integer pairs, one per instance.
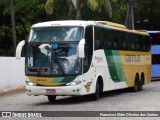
{"points": [[84, 57]]}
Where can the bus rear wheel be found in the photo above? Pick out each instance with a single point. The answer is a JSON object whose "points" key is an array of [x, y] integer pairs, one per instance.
{"points": [[51, 98], [136, 85], [141, 82]]}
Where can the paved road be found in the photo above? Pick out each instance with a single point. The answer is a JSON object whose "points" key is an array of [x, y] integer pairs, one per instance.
{"points": [[122, 100]]}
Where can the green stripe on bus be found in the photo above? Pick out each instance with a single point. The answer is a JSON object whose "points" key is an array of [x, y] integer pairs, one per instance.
{"points": [[64, 79], [114, 65]]}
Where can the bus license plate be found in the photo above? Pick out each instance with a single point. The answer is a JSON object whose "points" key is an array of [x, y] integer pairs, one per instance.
{"points": [[50, 91]]}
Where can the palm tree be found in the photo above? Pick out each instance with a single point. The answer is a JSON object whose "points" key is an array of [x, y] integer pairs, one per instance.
{"points": [[13, 24], [95, 5], [77, 4], [129, 22]]}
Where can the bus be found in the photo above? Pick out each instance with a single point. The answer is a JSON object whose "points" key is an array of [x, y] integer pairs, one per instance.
{"points": [[76, 58], [155, 48]]}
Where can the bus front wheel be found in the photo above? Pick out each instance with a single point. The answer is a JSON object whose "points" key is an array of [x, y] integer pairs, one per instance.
{"points": [[96, 95], [51, 98]]}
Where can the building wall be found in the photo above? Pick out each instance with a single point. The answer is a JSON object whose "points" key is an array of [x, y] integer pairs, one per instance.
{"points": [[11, 73]]}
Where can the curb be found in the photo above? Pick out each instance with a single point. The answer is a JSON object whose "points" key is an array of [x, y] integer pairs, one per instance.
{"points": [[12, 90], [155, 79]]}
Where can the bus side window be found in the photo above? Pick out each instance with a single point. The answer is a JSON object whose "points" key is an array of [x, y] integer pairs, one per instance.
{"points": [[118, 40], [141, 43], [100, 38], [97, 44], [123, 43], [144, 44], [148, 43], [107, 44], [107, 39], [97, 40], [136, 43], [115, 40], [132, 42]]}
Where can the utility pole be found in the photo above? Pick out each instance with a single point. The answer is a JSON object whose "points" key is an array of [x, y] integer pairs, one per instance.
{"points": [[13, 24]]}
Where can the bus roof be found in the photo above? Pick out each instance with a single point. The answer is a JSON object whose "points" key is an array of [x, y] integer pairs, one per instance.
{"points": [[106, 24], [64, 23], [123, 28]]}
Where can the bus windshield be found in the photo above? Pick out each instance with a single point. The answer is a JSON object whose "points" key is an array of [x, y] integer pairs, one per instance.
{"points": [[56, 34], [52, 59]]}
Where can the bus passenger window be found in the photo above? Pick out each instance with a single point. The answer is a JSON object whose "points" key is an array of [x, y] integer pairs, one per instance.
{"points": [[97, 44], [107, 44], [124, 46], [115, 45]]}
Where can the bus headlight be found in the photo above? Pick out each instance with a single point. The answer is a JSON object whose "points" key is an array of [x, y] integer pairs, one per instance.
{"points": [[73, 83], [30, 83]]}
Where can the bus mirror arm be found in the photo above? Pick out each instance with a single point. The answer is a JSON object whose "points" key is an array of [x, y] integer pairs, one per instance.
{"points": [[19, 49], [81, 48]]}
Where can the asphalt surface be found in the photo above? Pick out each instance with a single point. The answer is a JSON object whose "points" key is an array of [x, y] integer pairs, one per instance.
{"points": [[120, 100]]}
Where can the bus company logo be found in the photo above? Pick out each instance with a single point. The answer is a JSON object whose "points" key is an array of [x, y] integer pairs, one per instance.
{"points": [[99, 59], [6, 114], [132, 58], [87, 86]]}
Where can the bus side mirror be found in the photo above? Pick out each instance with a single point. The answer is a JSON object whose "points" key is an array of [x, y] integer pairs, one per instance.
{"points": [[81, 49], [19, 49]]}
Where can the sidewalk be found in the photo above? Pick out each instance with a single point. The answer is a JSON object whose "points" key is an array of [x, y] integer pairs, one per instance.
{"points": [[11, 90]]}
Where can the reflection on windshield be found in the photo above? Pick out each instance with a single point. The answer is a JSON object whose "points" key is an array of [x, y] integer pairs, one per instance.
{"points": [[46, 60], [56, 34]]}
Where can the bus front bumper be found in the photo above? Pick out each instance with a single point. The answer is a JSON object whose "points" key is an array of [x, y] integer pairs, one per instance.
{"points": [[59, 91]]}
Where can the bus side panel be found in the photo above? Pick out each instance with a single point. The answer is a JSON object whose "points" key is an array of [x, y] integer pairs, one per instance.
{"points": [[136, 62], [118, 68], [108, 65]]}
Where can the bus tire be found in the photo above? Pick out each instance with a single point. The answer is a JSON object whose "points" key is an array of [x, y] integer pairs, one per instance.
{"points": [[96, 95], [51, 98], [141, 83], [140, 86], [136, 84]]}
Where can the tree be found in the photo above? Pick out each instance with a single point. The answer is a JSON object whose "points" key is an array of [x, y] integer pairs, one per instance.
{"points": [[77, 4], [95, 5], [149, 11], [26, 13], [13, 24], [129, 22]]}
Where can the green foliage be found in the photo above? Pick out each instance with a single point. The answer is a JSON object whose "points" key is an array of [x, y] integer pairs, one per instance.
{"points": [[50, 6], [119, 10], [29, 12], [147, 10], [98, 5]]}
